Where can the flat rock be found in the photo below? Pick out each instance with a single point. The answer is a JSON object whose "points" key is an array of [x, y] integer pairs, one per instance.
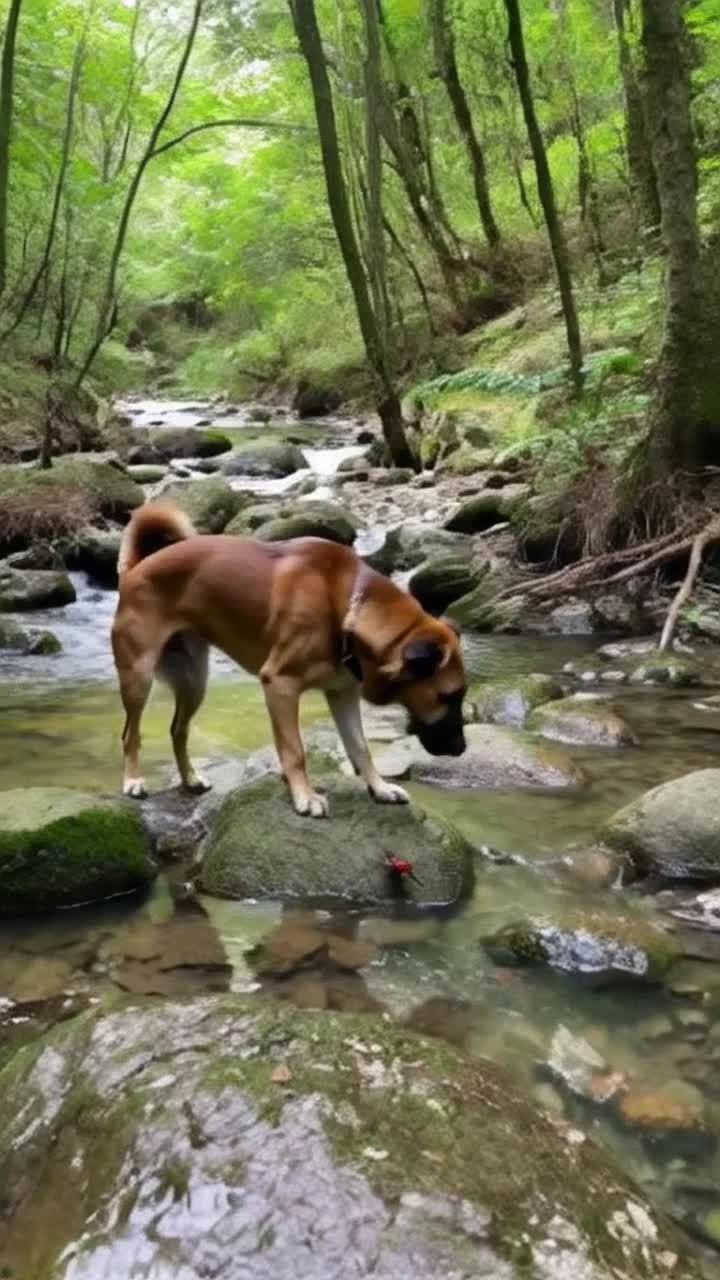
{"points": [[496, 758], [303, 1144], [582, 723], [671, 1107]]}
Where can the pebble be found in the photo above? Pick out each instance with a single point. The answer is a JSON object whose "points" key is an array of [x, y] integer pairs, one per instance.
{"points": [[675, 1105]]}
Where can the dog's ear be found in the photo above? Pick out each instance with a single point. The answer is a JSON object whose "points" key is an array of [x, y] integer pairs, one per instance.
{"points": [[422, 657]]}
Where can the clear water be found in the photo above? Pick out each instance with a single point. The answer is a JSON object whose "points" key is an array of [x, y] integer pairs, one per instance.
{"points": [[60, 722]]}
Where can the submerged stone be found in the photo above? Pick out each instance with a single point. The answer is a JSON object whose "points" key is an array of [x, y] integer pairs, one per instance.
{"points": [[60, 847], [216, 1135]]}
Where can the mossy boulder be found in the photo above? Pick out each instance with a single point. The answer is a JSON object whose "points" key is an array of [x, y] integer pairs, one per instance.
{"points": [[445, 577], [273, 461], [410, 544], [180, 442], [465, 461], [510, 701], [147, 473], [25, 589], [12, 637], [673, 830], [96, 552], [480, 611], [259, 847], [54, 504], [599, 946], [211, 504], [309, 520], [497, 758], [309, 1144], [60, 847], [44, 643], [582, 722], [665, 669], [486, 509]]}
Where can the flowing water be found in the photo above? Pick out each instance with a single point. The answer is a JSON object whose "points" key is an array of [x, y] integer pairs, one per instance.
{"points": [[59, 724]]}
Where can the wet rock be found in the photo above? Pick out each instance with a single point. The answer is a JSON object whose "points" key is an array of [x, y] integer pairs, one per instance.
{"points": [[486, 509], [580, 1068], [445, 577], [701, 911], [272, 461], [408, 545], [25, 589], [180, 442], [307, 1144], [313, 400], [666, 669], [480, 611], [210, 504], [601, 946], [594, 867], [44, 643], [572, 618], [463, 461], [147, 473], [451, 1020], [95, 552], [674, 829], [582, 723], [12, 637], [496, 758], [59, 848], [310, 520], [672, 1107], [510, 701], [259, 847], [180, 956]]}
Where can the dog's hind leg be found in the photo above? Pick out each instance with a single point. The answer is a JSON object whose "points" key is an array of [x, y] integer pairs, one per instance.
{"points": [[184, 666], [345, 710]]}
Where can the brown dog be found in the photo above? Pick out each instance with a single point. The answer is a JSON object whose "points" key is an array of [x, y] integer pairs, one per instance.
{"points": [[303, 614]]}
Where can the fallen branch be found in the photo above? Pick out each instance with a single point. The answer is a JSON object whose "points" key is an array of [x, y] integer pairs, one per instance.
{"points": [[709, 533]]}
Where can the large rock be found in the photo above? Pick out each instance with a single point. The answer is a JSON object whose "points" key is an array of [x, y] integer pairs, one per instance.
{"points": [[96, 552], [270, 460], [211, 504], [510, 701], [310, 520], [25, 589], [180, 442], [60, 847], [218, 1136], [259, 847], [486, 509], [53, 504], [408, 545], [582, 722], [674, 830], [465, 461], [600, 946], [12, 637], [480, 611], [445, 577], [496, 758]]}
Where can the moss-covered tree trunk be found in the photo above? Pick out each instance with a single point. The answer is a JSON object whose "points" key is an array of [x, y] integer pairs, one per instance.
{"points": [[444, 47], [7, 76], [556, 235], [643, 182], [686, 412], [388, 403]]}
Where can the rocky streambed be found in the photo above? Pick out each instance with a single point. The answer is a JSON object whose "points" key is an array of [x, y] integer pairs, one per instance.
{"points": [[568, 957]]}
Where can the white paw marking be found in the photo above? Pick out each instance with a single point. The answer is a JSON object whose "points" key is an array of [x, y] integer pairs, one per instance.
{"points": [[311, 805], [388, 793], [196, 784], [135, 787]]}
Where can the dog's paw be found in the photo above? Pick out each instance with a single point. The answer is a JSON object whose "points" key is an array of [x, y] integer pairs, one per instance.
{"points": [[389, 793], [311, 805], [135, 787], [195, 784]]}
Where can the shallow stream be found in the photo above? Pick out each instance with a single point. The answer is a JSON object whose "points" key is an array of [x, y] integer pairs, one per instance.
{"points": [[59, 724]]}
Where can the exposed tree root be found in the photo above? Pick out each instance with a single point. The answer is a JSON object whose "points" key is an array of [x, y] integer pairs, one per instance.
{"points": [[710, 533]]}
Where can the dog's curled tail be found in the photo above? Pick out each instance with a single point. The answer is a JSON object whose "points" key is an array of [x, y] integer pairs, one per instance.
{"points": [[152, 527]]}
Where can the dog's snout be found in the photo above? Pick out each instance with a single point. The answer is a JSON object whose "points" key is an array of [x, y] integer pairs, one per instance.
{"points": [[443, 737]]}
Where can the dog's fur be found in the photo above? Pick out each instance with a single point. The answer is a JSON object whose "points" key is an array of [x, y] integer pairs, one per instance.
{"points": [[302, 614]]}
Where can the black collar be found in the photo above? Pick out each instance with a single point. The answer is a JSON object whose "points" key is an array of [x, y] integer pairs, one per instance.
{"points": [[348, 659]]}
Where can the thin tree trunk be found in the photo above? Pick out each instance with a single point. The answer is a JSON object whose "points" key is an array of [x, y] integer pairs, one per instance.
{"points": [[373, 169], [588, 197], [643, 182], [444, 45], [107, 312], [687, 403], [7, 76], [44, 266], [407, 257], [556, 235], [388, 403]]}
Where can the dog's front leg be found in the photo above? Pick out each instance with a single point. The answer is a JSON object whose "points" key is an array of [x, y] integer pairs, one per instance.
{"points": [[345, 710], [282, 695]]}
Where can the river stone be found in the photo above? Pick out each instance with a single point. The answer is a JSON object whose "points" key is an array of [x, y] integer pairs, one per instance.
{"points": [[24, 589], [179, 442], [273, 461], [60, 847], [601, 946], [674, 829], [211, 504], [259, 847], [220, 1136], [496, 758], [582, 723], [510, 701], [445, 577], [148, 473], [479, 611], [96, 552], [486, 509], [309, 520], [665, 668], [672, 1107], [12, 637]]}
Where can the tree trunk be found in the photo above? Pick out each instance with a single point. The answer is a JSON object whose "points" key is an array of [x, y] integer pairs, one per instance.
{"points": [[687, 403], [444, 46], [556, 235], [107, 313], [375, 253], [643, 182], [388, 404], [7, 75]]}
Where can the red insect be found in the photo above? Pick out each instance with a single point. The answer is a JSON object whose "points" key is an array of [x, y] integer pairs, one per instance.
{"points": [[400, 867]]}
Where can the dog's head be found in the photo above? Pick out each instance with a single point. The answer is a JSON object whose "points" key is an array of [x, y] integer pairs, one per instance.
{"points": [[424, 672]]}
